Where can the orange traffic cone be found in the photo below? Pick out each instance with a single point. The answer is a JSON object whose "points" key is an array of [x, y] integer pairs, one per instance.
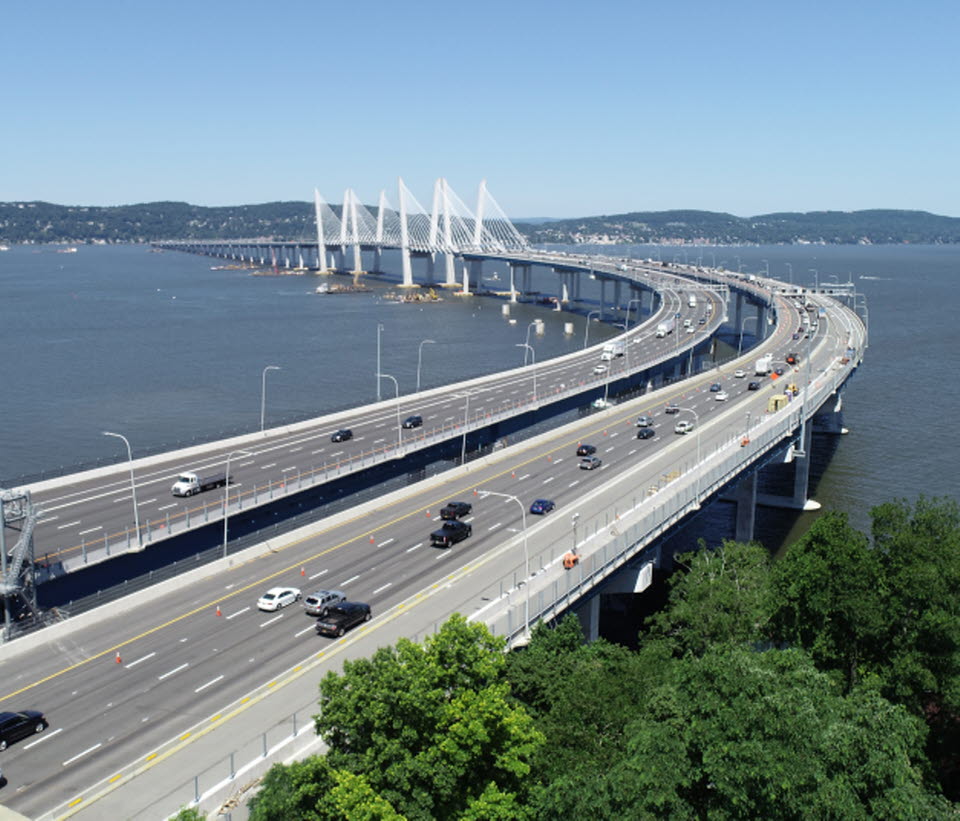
{"points": [[303, 571], [118, 657], [371, 540], [218, 611]]}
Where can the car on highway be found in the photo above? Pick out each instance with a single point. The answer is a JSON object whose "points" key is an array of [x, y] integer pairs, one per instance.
{"points": [[14, 726], [683, 426], [317, 604], [672, 407], [341, 617], [739, 373], [586, 450], [599, 369], [541, 506], [590, 463], [753, 386], [278, 597], [702, 321], [796, 336], [691, 330], [779, 371], [644, 421], [412, 422], [342, 435], [454, 510], [721, 396], [716, 386], [450, 533], [646, 433]]}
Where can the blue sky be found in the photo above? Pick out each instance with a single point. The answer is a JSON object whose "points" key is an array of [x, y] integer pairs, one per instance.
{"points": [[567, 109]]}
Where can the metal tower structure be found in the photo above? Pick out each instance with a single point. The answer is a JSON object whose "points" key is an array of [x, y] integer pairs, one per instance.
{"points": [[16, 564]]}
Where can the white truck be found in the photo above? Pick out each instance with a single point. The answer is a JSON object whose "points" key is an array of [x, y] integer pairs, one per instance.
{"points": [[613, 349], [188, 483], [763, 365], [692, 301], [664, 328]]}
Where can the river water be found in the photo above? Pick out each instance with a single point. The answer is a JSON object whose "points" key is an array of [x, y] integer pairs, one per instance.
{"points": [[167, 351]]}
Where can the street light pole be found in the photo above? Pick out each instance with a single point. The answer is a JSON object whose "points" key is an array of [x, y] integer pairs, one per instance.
{"points": [[526, 341], [226, 494], [263, 392], [533, 356], [697, 417], [790, 268], [133, 486], [816, 279], [742, 323], [526, 558], [626, 329], [379, 330], [399, 426], [586, 333], [466, 419], [420, 359]]}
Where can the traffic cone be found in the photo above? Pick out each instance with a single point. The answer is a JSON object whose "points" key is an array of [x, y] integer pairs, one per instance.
{"points": [[303, 571], [474, 491], [118, 657], [428, 514], [218, 611], [371, 540]]}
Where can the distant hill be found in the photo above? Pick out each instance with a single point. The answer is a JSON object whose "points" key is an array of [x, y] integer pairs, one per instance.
{"points": [[39, 222]]}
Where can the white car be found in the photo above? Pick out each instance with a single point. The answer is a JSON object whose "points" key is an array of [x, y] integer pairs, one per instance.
{"points": [[739, 373], [683, 426], [600, 369], [721, 396], [277, 597], [691, 330]]}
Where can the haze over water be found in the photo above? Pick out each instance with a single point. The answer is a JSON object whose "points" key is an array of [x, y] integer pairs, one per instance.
{"points": [[165, 350]]}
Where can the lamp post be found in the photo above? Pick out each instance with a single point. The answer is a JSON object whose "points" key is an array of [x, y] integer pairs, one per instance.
{"points": [[526, 558], [816, 279], [533, 356], [626, 328], [466, 419], [790, 269], [697, 417], [133, 486], [573, 522], [399, 426], [766, 268], [526, 341], [226, 494], [742, 323], [420, 359], [379, 331], [263, 392], [586, 333]]}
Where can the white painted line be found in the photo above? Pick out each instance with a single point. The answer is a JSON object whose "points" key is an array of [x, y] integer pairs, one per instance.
{"points": [[381, 589], [271, 465], [443, 554], [574, 482], [144, 658], [558, 461], [615, 433], [359, 438], [208, 684], [525, 476], [380, 425], [71, 524], [271, 621], [309, 629], [177, 670], [338, 453], [167, 507], [287, 470], [494, 527], [351, 579], [384, 544], [632, 452], [378, 441], [81, 755], [54, 518], [318, 575], [609, 449], [246, 464], [234, 615], [548, 480], [315, 452], [90, 530], [43, 738], [294, 450], [434, 416], [411, 549]]}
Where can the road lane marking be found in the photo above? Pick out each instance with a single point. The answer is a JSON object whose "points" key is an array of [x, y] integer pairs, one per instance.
{"points": [[167, 507], [71, 524], [287, 470], [558, 461], [271, 621], [43, 738], [574, 482], [304, 631], [246, 464], [411, 549], [548, 480], [525, 476], [175, 670], [234, 615], [494, 527], [378, 441], [147, 502], [90, 530], [271, 465], [609, 449], [315, 452], [81, 755], [384, 544], [318, 575], [48, 519], [144, 658], [381, 589], [351, 579], [208, 684], [294, 450]]}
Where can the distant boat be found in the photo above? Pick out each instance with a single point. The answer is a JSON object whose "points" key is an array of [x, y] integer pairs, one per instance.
{"points": [[70, 250], [323, 288], [4, 247]]}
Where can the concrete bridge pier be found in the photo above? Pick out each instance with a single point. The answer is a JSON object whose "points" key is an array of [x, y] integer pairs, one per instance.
{"points": [[738, 315], [357, 259], [527, 280], [323, 265], [603, 297], [406, 267], [378, 260], [801, 479], [616, 294], [341, 264], [746, 501], [829, 420], [576, 286], [431, 268], [475, 278], [450, 267]]}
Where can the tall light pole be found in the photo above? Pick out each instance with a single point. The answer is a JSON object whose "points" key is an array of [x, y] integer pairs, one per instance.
{"points": [[226, 494], [742, 323], [533, 355], [526, 558], [263, 392], [379, 331], [816, 279], [399, 426], [790, 269], [526, 341], [626, 328], [766, 267], [420, 359], [133, 486], [586, 333], [466, 419], [697, 417]]}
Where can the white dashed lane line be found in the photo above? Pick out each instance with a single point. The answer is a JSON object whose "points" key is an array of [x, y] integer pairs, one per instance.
{"points": [[173, 671]]}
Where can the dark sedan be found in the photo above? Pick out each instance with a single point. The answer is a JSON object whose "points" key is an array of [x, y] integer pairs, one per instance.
{"points": [[341, 617], [14, 726], [342, 435], [753, 386], [412, 422], [542, 506], [646, 433], [586, 450]]}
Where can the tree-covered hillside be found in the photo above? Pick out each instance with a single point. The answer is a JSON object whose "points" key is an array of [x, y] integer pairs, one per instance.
{"points": [[39, 222]]}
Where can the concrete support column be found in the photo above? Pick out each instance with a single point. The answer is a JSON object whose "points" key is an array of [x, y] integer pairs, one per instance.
{"points": [[603, 298], [576, 286], [357, 259], [616, 294], [450, 265], [476, 274], [589, 614], [801, 474], [738, 314], [746, 501], [342, 258], [407, 267], [377, 259], [526, 280], [431, 268], [513, 284]]}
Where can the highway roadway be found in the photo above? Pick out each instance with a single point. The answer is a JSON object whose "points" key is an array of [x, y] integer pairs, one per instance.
{"points": [[181, 663], [82, 513]]}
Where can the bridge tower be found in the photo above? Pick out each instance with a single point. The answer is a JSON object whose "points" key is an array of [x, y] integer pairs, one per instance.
{"points": [[319, 206], [17, 565]]}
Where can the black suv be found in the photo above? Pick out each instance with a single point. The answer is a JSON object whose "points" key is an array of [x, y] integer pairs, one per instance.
{"points": [[14, 726], [586, 450], [412, 422], [341, 617], [451, 533], [454, 510], [342, 435]]}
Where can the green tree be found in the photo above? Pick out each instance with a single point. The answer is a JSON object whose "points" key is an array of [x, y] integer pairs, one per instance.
{"points": [[724, 595], [431, 727], [296, 790]]}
